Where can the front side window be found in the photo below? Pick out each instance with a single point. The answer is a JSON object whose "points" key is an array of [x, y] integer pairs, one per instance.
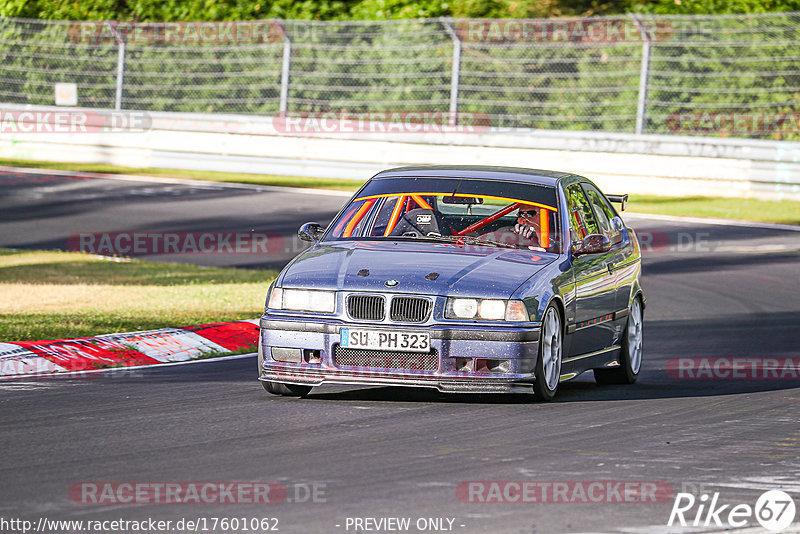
{"points": [[472, 211], [581, 217]]}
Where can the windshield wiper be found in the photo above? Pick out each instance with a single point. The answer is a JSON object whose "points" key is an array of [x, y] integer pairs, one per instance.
{"points": [[495, 243]]}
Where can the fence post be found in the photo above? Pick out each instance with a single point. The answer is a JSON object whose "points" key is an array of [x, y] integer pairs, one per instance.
{"points": [[455, 73], [120, 74], [283, 106], [644, 74]]}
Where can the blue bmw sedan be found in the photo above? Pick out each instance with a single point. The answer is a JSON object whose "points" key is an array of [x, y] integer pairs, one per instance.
{"points": [[460, 278]]}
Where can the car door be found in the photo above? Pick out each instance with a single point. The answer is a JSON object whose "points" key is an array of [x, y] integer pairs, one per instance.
{"points": [[595, 292], [612, 226]]}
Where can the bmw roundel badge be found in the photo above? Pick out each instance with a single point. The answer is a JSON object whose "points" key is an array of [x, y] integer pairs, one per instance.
{"points": [[391, 283]]}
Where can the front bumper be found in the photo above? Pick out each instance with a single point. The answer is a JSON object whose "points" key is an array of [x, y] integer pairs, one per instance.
{"points": [[516, 346]]}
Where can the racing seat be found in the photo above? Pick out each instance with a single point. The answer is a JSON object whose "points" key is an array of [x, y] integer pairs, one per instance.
{"points": [[420, 221]]}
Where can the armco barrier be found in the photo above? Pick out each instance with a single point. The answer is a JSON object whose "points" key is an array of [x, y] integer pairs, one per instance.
{"points": [[647, 164], [51, 358]]}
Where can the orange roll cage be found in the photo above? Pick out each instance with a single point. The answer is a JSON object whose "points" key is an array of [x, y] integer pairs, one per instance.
{"points": [[544, 228], [348, 230], [403, 205], [489, 219]]}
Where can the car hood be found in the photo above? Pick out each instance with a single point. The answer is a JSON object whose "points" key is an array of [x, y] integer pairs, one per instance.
{"points": [[418, 267]]}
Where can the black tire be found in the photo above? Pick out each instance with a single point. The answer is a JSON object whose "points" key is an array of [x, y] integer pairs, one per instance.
{"points": [[630, 364], [285, 390], [277, 388], [550, 349]]}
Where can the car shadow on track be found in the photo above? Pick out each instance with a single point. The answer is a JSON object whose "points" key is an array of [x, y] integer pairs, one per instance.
{"points": [[576, 391], [744, 336]]}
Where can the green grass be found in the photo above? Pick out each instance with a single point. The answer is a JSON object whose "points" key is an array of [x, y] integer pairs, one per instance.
{"points": [[235, 177], [787, 212], [55, 295]]}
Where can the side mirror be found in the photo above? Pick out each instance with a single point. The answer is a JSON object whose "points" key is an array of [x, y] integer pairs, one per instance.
{"points": [[619, 199], [591, 244], [310, 231]]}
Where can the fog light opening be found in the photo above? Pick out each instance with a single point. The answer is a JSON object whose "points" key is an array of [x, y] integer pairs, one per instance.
{"points": [[464, 365], [486, 365], [286, 355], [481, 365], [312, 356], [500, 366]]}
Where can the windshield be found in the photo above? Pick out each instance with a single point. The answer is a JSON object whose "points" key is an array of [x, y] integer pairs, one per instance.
{"points": [[461, 211]]}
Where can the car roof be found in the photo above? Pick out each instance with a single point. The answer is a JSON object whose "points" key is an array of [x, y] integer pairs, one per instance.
{"points": [[486, 172]]}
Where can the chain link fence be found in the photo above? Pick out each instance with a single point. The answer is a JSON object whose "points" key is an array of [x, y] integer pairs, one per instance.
{"points": [[703, 75]]}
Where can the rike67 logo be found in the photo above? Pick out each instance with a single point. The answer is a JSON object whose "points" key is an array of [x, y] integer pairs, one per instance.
{"points": [[774, 510]]}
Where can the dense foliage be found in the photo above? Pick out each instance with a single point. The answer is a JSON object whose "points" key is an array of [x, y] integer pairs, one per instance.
{"points": [[699, 67], [184, 10]]}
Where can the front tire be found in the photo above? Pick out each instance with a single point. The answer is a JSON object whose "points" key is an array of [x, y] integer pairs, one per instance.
{"points": [[285, 390], [548, 364], [631, 352], [276, 388]]}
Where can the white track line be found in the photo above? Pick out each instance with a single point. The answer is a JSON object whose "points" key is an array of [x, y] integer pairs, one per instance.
{"points": [[713, 221]]}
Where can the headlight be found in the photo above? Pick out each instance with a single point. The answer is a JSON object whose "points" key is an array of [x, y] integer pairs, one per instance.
{"points": [[302, 300], [492, 309], [461, 308], [486, 309]]}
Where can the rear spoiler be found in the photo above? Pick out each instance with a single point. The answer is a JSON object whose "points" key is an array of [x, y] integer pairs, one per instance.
{"points": [[619, 199]]}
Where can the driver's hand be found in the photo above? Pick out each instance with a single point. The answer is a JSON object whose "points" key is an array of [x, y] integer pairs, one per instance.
{"points": [[524, 230]]}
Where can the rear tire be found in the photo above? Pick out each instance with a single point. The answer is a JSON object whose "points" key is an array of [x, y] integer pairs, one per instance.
{"points": [[548, 364], [285, 390], [630, 357]]}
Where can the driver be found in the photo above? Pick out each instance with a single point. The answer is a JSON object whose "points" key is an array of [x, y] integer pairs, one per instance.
{"points": [[527, 227], [525, 233]]}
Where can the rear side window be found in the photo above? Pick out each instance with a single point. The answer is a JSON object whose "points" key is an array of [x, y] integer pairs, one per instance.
{"points": [[581, 217]]}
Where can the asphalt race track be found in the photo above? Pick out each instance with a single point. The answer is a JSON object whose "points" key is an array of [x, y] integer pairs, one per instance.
{"points": [[42, 211], [712, 291]]}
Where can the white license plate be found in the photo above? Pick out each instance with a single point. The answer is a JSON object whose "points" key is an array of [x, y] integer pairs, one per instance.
{"points": [[386, 340]]}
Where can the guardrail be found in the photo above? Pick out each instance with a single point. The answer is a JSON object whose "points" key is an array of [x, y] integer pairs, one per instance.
{"points": [[344, 148]]}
